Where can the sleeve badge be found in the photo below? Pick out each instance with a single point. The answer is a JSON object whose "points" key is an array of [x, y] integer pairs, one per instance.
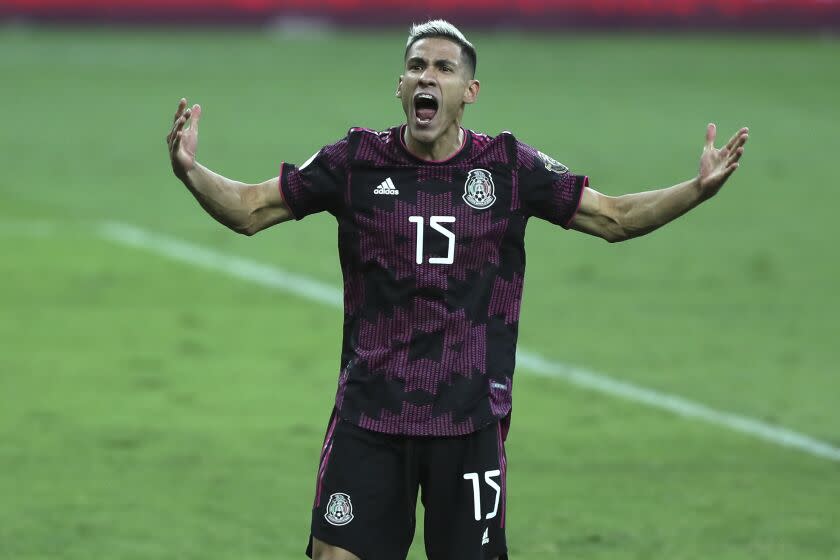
{"points": [[552, 164]]}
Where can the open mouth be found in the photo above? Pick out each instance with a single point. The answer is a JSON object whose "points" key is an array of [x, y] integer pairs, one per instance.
{"points": [[425, 107]]}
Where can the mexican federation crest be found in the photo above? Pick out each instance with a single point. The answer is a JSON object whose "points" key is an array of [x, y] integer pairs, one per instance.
{"points": [[339, 510], [479, 191], [552, 164]]}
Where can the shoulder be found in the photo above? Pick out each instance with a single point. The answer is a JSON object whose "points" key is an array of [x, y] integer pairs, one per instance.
{"points": [[498, 149], [370, 135], [481, 139], [335, 153], [529, 157], [375, 147]]}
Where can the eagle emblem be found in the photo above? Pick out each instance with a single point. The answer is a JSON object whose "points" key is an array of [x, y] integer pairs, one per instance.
{"points": [[339, 510], [479, 191]]}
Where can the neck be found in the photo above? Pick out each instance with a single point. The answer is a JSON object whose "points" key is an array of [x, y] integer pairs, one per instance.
{"points": [[444, 147]]}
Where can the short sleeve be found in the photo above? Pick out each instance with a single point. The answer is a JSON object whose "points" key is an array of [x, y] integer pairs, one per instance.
{"points": [[547, 188], [318, 184]]}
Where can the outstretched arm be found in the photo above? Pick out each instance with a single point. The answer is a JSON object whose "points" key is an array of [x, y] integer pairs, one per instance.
{"points": [[618, 218], [244, 208]]}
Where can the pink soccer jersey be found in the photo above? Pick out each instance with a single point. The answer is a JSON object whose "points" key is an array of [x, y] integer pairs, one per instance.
{"points": [[433, 259]]}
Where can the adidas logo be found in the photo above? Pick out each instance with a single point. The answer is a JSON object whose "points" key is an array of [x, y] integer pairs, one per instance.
{"points": [[485, 538], [386, 187]]}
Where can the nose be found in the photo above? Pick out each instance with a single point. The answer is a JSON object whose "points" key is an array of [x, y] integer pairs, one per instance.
{"points": [[428, 78]]}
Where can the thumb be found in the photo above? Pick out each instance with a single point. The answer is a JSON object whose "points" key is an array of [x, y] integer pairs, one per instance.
{"points": [[711, 132]]}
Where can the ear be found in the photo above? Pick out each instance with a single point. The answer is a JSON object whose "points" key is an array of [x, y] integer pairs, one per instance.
{"points": [[399, 86], [471, 93]]}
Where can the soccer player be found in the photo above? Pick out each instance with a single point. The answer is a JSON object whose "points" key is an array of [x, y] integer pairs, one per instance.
{"points": [[431, 226]]}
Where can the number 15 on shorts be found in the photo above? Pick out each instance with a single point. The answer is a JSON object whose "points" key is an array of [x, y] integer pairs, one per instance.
{"points": [[488, 479]]}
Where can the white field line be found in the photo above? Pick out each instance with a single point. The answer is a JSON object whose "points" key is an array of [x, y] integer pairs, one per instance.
{"points": [[308, 288]]}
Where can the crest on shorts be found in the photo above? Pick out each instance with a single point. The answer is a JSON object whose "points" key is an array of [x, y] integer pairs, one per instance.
{"points": [[479, 191], [552, 164], [339, 510]]}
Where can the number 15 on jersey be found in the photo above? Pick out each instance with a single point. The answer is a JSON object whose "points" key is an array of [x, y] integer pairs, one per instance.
{"points": [[435, 223]]}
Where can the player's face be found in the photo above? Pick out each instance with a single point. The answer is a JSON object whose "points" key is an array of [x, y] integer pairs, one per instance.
{"points": [[434, 88]]}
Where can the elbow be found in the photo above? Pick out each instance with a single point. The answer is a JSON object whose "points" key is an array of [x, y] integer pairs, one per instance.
{"points": [[247, 229], [615, 237], [621, 233], [617, 224], [250, 201], [608, 220], [242, 222], [613, 231]]}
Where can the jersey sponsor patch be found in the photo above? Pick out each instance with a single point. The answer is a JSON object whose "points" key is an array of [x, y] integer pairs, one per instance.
{"points": [[339, 510], [552, 164], [479, 190]]}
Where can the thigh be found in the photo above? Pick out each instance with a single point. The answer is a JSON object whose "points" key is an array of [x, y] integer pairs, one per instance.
{"points": [[363, 496], [463, 489]]}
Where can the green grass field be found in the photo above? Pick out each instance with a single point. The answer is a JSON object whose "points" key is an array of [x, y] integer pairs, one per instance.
{"points": [[153, 409]]}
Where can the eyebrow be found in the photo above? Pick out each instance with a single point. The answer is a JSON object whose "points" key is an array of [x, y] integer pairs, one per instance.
{"points": [[438, 62]]}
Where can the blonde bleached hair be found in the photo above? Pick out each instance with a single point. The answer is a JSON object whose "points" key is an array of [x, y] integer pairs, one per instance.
{"points": [[442, 29]]}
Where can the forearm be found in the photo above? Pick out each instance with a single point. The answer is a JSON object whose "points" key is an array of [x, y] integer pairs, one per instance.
{"points": [[641, 213], [618, 218], [224, 199]]}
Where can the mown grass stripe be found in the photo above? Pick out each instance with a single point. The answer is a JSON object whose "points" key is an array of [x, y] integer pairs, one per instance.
{"points": [[311, 289]]}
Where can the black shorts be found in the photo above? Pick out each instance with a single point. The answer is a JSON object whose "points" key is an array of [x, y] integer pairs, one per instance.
{"points": [[367, 484]]}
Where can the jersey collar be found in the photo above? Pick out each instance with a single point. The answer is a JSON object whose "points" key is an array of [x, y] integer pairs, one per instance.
{"points": [[399, 131]]}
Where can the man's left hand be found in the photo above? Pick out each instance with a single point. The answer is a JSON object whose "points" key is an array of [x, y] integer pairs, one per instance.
{"points": [[716, 165]]}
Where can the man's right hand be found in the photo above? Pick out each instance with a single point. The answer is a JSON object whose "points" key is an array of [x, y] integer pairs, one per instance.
{"points": [[242, 207], [183, 141]]}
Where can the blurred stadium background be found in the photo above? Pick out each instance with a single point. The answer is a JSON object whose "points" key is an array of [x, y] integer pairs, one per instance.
{"points": [[164, 388]]}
